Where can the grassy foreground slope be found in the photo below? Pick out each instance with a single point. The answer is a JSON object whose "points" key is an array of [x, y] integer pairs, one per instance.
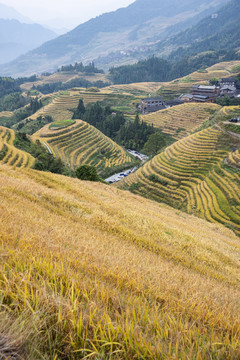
{"points": [[194, 174], [89, 270], [180, 121], [9, 154], [82, 143]]}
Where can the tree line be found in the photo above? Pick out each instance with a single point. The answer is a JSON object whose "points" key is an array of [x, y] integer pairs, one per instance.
{"points": [[79, 67], [179, 64]]}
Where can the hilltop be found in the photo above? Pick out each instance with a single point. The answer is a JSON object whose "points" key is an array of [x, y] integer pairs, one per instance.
{"points": [[93, 270], [104, 36]]}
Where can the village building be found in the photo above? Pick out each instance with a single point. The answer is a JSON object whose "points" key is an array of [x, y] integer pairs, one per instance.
{"points": [[171, 103], [203, 93], [186, 98], [227, 81], [204, 98], [149, 105], [211, 90], [228, 90]]}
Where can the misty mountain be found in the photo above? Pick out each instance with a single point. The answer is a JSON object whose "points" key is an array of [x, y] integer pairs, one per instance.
{"points": [[118, 33], [214, 39], [8, 12], [17, 38], [218, 32]]}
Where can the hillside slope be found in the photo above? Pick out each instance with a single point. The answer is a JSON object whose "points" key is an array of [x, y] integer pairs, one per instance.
{"points": [[182, 120], [213, 33], [9, 154], [194, 175], [140, 24], [82, 143], [87, 269]]}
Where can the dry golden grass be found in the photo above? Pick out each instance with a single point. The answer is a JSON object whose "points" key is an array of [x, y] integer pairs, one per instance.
{"points": [[182, 120], [88, 270]]}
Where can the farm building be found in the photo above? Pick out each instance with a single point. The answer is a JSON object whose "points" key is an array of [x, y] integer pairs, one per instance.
{"points": [[227, 81], [149, 105], [186, 97], [210, 90]]}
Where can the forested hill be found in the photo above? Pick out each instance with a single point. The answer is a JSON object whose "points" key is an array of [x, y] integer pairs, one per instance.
{"points": [[135, 26], [214, 39]]}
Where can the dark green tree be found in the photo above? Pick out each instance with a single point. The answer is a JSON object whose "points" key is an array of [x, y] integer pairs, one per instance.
{"points": [[154, 144], [87, 172], [80, 111]]}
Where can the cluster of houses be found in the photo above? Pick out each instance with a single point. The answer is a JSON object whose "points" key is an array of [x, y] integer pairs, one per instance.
{"points": [[200, 94]]}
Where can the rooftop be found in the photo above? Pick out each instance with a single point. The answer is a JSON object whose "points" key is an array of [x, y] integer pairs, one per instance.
{"points": [[205, 87], [153, 99]]}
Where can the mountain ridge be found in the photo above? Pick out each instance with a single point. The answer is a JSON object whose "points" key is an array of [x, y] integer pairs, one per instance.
{"points": [[16, 38], [115, 31]]}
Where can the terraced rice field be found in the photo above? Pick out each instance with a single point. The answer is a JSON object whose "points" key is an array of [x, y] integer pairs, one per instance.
{"points": [[182, 120], [144, 87], [6, 114], [81, 144], [9, 154], [229, 110], [234, 159], [221, 70], [191, 174], [64, 78], [61, 108]]}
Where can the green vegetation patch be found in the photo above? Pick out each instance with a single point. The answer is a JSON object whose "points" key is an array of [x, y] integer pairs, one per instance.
{"points": [[232, 128], [61, 124]]}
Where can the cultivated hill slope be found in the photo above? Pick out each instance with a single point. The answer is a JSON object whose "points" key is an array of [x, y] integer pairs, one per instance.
{"points": [[194, 174], [82, 143], [87, 269], [9, 154], [63, 104], [139, 24], [182, 120]]}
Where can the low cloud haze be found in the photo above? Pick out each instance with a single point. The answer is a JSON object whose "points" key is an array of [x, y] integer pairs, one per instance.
{"points": [[64, 13]]}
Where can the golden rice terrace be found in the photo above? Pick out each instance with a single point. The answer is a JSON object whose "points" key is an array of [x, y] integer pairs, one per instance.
{"points": [[194, 174], [82, 143]]}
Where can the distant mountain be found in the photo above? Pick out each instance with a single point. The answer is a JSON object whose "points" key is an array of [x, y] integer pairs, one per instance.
{"points": [[121, 32], [8, 12], [17, 38], [218, 32]]}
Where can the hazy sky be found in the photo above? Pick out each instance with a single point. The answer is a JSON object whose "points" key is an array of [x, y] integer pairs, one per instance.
{"points": [[64, 13]]}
